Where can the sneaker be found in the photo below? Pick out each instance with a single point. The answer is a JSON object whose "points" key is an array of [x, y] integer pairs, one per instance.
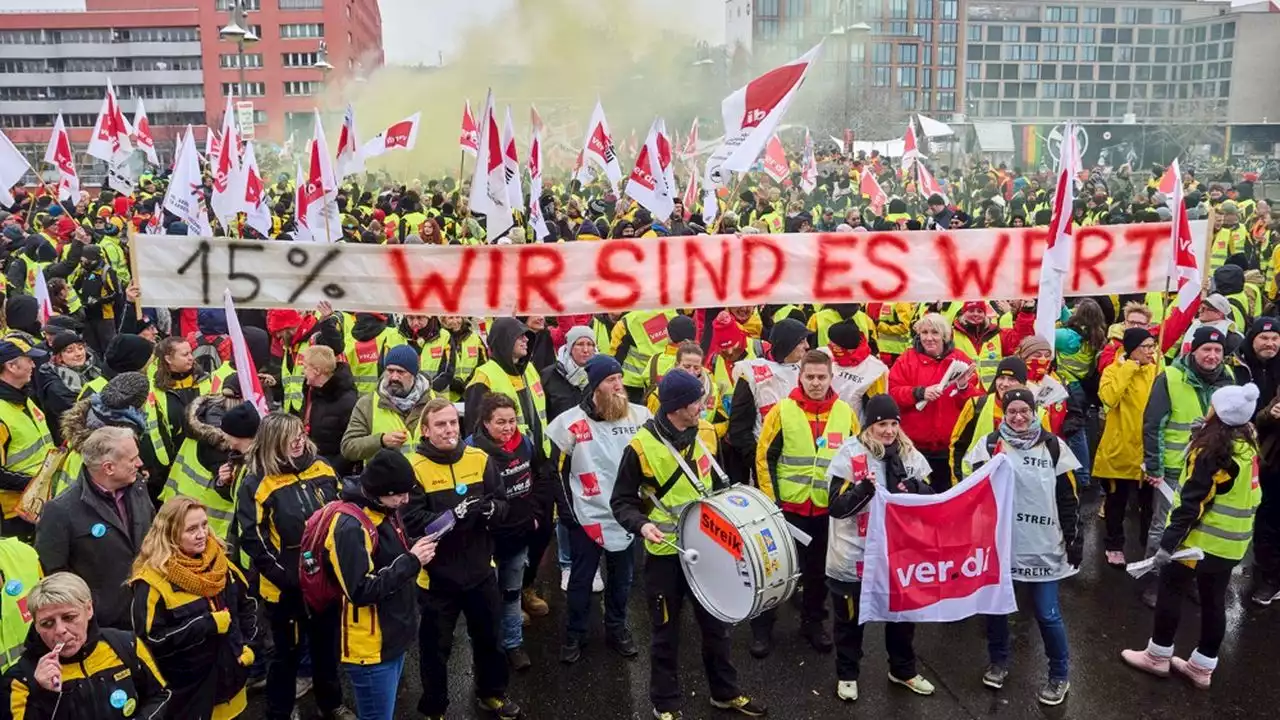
{"points": [[1146, 662], [571, 651], [302, 687], [1115, 558], [597, 582], [995, 676], [667, 714], [917, 684], [1053, 692], [1264, 594], [532, 604], [847, 690], [742, 704], [1199, 676], [818, 636], [518, 659], [501, 707], [564, 580], [623, 644]]}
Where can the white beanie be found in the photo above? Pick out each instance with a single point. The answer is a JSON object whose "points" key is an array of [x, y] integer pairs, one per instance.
{"points": [[1235, 405], [576, 333]]}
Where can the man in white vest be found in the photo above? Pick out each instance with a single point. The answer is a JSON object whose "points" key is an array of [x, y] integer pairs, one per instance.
{"points": [[759, 384], [587, 444]]}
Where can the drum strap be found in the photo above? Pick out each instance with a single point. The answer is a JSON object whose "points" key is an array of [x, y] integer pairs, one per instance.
{"points": [[684, 466]]}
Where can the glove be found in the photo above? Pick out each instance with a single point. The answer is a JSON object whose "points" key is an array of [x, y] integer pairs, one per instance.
{"points": [[246, 656], [1162, 558], [222, 619], [1075, 553]]}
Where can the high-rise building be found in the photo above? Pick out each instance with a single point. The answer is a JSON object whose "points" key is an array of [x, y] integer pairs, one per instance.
{"points": [[56, 57]]}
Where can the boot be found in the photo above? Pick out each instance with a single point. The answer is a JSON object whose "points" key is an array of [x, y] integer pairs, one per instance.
{"points": [[818, 636], [534, 605], [1147, 661], [761, 643], [1196, 669]]}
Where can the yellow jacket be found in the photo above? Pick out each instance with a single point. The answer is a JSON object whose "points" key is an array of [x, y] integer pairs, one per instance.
{"points": [[1124, 389]]}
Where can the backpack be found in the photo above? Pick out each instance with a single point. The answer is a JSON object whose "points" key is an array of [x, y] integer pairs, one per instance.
{"points": [[209, 353], [320, 588]]}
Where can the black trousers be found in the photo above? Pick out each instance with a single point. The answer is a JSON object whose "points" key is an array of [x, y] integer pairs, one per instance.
{"points": [[1211, 577], [666, 591], [290, 621], [1266, 530], [813, 575], [1117, 504], [440, 610], [898, 637], [538, 541], [939, 470]]}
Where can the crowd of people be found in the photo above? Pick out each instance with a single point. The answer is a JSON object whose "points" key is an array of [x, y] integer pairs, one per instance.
{"points": [[167, 548]]}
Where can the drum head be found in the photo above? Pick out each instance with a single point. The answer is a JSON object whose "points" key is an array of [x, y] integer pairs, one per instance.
{"points": [[723, 578]]}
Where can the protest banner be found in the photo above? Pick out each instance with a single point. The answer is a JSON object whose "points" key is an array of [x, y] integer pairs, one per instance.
{"points": [[941, 558], [645, 273]]}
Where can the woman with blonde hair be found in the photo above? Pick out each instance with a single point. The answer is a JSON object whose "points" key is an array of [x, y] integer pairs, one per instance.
{"points": [[193, 611], [285, 484]]}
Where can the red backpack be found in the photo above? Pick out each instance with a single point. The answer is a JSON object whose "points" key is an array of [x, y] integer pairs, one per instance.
{"points": [[320, 588]]}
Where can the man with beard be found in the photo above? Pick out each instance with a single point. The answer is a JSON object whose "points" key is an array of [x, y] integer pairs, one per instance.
{"points": [[665, 467], [587, 444], [1179, 398], [1261, 366], [383, 419]]}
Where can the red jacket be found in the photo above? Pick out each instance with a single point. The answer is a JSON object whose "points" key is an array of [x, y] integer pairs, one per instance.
{"points": [[930, 429]]}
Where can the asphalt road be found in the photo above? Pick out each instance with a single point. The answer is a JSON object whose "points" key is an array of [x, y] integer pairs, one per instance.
{"points": [[1103, 616]]}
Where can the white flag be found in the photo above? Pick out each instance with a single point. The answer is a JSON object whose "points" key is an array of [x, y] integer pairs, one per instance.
{"points": [[488, 181], [44, 302], [318, 203], [246, 371], [257, 208], [400, 136], [1057, 257], [110, 139], [648, 183], [228, 199], [300, 232], [142, 134], [13, 167], [59, 154], [598, 148], [808, 166], [535, 185], [511, 163], [350, 154], [182, 198]]}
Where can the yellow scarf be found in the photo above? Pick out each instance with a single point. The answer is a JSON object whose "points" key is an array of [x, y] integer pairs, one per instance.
{"points": [[205, 575]]}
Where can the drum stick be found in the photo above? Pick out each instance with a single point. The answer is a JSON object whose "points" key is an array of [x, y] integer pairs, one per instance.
{"points": [[800, 536], [689, 555]]}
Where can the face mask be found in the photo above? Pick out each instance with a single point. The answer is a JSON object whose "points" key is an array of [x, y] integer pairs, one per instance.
{"points": [[1037, 369]]}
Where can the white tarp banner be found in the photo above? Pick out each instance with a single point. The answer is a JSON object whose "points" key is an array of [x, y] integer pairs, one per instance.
{"points": [[621, 274]]}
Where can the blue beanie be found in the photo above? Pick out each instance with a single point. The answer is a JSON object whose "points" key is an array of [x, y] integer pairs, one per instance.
{"points": [[678, 389], [402, 356], [598, 368]]}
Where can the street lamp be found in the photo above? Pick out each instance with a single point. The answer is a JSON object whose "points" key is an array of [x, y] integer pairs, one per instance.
{"points": [[322, 59], [238, 31]]}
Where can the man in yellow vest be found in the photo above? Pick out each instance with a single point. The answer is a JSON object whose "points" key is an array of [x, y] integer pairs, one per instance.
{"points": [[663, 469], [367, 340], [1228, 239], [639, 336], [388, 417], [20, 568], [24, 436], [800, 436], [466, 351], [976, 336]]}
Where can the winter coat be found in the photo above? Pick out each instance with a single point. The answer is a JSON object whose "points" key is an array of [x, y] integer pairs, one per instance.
{"points": [[326, 412], [930, 428], [530, 488], [57, 388], [1159, 406], [1124, 390], [561, 394], [359, 443]]}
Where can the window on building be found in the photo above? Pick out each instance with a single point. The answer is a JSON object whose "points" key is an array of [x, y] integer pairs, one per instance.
{"points": [[232, 60], [908, 100], [924, 31], [880, 77], [1053, 13], [301, 87], [766, 7], [898, 28], [301, 4], [950, 9], [1164, 16], [246, 4], [974, 32], [1092, 15], [898, 9], [1089, 53], [291, 31], [1105, 54], [1108, 16], [947, 101], [250, 89], [946, 79], [1030, 72], [907, 53], [972, 71], [1087, 35], [926, 55], [300, 59], [881, 53], [947, 32], [1084, 72], [947, 55], [924, 9], [1129, 16], [136, 35], [906, 77]]}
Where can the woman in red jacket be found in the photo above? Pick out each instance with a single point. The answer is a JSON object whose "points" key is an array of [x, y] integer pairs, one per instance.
{"points": [[917, 377]]}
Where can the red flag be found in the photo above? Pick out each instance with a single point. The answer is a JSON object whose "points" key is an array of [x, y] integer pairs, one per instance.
{"points": [[927, 184], [470, 138], [691, 143], [350, 159], [870, 188], [1186, 267], [775, 160], [690, 198], [1169, 180]]}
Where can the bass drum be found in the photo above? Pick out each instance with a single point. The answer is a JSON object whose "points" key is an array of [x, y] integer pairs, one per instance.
{"points": [[746, 560]]}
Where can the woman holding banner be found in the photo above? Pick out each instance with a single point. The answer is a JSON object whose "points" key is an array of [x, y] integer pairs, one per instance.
{"points": [[1047, 544], [881, 458]]}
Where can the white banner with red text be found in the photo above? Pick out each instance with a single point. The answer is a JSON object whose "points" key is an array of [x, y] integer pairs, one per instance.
{"points": [[941, 558], [646, 273]]}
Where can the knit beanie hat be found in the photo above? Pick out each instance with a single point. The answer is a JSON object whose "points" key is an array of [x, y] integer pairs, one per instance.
{"points": [[1018, 393], [845, 334], [128, 353], [576, 333], [404, 357], [600, 367], [1234, 404], [126, 390], [678, 389], [241, 421], [63, 340], [1013, 367], [681, 328], [388, 473], [1264, 324], [1206, 334], [1134, 337], [880, 407], [784, 338], [1033, 344]]}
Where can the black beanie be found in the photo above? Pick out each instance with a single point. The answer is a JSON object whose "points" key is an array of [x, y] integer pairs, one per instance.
{"points": [[388, 473], [879, 407], [1206, 334], [1018, 393], [784, 338], [241, 421], [128, 353], [1014, 367], [1133, 337], [681, 328], [845, 334], [1266, 323]]}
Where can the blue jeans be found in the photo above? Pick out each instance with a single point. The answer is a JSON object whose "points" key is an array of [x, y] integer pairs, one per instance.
{"points": [[510, 582], [374, 687], [1078, 441], [562, 546], [619, 568], [1053, 631]]}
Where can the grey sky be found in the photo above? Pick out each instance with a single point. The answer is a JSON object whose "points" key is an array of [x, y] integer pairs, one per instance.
{"points": [[417, 31]]}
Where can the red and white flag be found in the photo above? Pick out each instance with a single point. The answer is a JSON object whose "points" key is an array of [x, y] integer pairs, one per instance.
{"points": [[1169, 180], [511, 163], [536, 217], [300, 231], [489, 180], [690, 198], [598, 149], [246, 371], [110, 139], [318, 201], [1057, 256], [961, 567], [648, 182], [751, 115], [927, 184], [400, 136], [44, 302], [183, 197], [690, 149], [227, 199], [808, 166], [59, 155], [469, 140], [1185, 269], [350, 156], [257, 208], [775, 160], [870, 188], [13, 168], [535, 120], [212, 144], [910, 149], [142, 134], [666, 158]]}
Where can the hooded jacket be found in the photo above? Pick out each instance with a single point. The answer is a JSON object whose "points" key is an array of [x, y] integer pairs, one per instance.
{"points": [[562, 395], [502, 342], [204, 425]]}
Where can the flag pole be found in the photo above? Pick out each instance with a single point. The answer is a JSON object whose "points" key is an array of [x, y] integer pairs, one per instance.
{"points": [[1208, 248], [133, 268], [462, 159]]}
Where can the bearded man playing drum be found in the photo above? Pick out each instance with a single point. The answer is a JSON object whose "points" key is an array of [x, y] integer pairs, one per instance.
{"points": [[665, 468]]}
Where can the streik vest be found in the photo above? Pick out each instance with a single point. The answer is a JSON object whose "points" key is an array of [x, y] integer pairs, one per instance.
{"points": [[188, 477], [769, 382], [21, 569], [802, 467], [648, 331]]}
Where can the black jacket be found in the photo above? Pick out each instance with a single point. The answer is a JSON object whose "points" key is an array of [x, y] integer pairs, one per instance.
{"points": [[529, 488], [57, 389], [1205, 482], [326, 411], [561, 394], [80, 532]]}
